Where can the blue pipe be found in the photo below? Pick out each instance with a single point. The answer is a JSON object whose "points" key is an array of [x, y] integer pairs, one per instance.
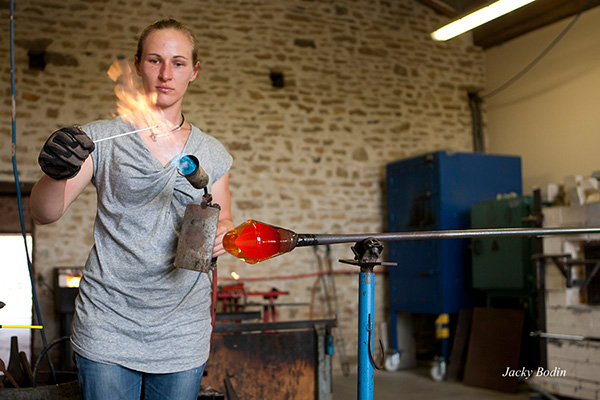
{"points": [[17, 184], [366, 310]]}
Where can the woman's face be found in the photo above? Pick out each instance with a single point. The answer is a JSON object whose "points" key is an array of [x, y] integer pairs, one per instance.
{"points": [[166, 66]]}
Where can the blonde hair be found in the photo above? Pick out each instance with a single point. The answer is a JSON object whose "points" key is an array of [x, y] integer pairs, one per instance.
{"points": [[166, 24]]}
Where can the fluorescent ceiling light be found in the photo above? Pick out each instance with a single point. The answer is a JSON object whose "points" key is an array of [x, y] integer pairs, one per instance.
{"points": [[477, 18]]}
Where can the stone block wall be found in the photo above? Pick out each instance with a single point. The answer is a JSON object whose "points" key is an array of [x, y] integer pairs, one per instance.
{"points": [[363, 85], [573, 366]]}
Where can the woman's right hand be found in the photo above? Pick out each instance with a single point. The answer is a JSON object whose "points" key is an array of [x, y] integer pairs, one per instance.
{"points": [[64, 153]]}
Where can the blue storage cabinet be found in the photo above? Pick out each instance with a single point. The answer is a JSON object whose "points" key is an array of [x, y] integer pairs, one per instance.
{"points": [[435, 192]]}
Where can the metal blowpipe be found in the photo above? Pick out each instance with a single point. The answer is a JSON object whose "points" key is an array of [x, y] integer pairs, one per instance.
{"points": [[318, 239], [255, 241], [126, 133]]}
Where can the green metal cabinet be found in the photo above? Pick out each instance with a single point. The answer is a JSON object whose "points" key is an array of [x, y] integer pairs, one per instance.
{"points": [[503, 270], [503, 263]]}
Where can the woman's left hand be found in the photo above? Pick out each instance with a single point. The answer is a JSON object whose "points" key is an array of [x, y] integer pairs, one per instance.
{"points": [[223, 227]]}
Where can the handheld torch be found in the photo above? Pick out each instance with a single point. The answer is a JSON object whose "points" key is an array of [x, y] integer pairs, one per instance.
{"points": [[199, 227]]}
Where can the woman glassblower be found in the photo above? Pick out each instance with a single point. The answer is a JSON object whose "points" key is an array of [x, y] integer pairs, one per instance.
{"points": [[141, 326]]}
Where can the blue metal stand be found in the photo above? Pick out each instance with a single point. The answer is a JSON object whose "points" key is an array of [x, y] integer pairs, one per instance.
{"points": [[366, 309], [366, 253]]}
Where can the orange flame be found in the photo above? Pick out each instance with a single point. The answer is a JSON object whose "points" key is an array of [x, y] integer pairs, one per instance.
{"points": [[133, 105]]}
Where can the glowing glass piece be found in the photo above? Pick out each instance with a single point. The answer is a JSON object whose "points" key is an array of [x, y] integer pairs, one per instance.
{"points": [[255, 241]]}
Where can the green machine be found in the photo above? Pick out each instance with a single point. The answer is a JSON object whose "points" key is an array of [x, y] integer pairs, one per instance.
{"points": [[503, 263], [503, 272]]}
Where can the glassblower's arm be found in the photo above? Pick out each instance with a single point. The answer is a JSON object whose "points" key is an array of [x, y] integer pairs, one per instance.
{"points": [[50, 198], [222, 197]]}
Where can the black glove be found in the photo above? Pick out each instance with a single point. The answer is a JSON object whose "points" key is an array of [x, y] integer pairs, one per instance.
{"points": [[64, 152]]}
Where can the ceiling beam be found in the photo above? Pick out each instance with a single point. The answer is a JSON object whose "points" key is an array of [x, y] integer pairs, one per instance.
{"points": [[529, 18], [444, 7]]}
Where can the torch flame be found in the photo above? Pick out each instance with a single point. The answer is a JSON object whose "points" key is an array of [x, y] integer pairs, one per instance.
{"points": [[235, 275], [133, 105]]}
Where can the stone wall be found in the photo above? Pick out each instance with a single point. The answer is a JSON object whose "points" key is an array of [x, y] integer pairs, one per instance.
{"points": [[568, 312], [364, 85]]}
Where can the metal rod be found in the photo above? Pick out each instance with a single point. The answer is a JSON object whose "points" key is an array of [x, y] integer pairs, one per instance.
{"points": [[125, 134], [547, 335], [321, 239], [22, 326]]}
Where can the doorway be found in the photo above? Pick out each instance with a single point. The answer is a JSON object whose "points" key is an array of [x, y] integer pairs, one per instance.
{"points": [[15, 293]]}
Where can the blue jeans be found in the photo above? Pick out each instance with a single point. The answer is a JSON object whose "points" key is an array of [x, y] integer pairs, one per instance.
{"points": [[99, 381]]}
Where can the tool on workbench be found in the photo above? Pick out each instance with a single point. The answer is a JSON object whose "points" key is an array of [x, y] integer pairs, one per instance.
{"points": [[231, 394], [14, 363], [8, 375], [26, 367]]}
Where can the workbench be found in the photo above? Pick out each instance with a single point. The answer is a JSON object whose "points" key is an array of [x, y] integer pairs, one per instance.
{"points": [[272, 360]]}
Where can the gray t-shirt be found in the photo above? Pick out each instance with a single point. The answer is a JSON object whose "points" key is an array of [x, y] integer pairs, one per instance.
{"points": [[134, 308]]}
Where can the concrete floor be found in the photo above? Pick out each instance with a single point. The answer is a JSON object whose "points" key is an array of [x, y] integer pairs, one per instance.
{"points": [[416, 384]]}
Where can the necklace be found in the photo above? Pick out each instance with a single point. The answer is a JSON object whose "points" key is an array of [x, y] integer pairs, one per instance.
{"points": [[155, 136]]}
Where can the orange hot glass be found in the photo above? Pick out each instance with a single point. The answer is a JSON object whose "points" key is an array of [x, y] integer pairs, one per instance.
{"points": [[255, 241]]}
